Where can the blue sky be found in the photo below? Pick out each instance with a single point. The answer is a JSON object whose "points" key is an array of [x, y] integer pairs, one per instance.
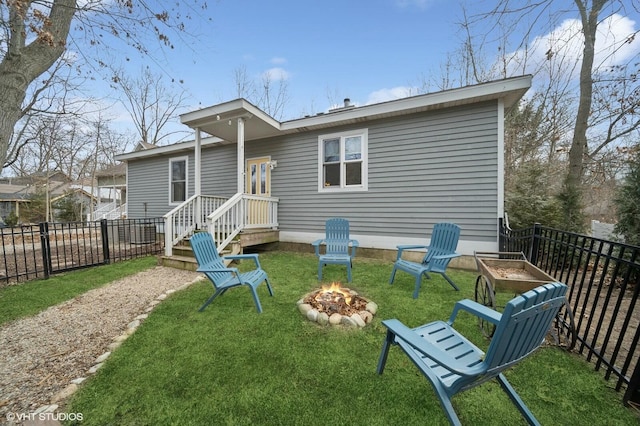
{"points": [[326, 50], [348, 48], [366, 50]]}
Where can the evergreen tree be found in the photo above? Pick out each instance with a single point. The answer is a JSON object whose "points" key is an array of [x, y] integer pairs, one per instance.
{"points": [[35, 210], [528, 199], [628, 203], [68, 208]]}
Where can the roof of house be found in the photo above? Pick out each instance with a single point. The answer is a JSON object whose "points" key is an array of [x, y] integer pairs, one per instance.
{"points": [[221, 120], [119, 169], [36, 178], [12, 192]]}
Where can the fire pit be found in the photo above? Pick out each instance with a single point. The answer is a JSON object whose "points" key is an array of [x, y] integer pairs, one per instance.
{"points": [[335, 305]]}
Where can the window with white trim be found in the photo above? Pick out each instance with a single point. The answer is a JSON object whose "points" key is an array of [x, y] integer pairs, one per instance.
{"points": [[342, 161], [178, 180]]}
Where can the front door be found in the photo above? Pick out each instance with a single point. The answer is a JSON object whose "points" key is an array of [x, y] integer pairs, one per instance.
{"points": [[259, 177], [258, 183]]}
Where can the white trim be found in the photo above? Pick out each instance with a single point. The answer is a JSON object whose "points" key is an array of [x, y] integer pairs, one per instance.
{"points": [[168, 149], [500, 158], [231, 110], [465, 247], [364, 134], [513, 87], [240, 157], [184, 158], [197, 155]]}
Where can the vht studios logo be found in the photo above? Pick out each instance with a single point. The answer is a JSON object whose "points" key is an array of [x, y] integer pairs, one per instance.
{"points": [[60, 417]]}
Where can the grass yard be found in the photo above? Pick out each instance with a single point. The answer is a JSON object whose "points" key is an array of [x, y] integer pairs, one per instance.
{"points": [[229, 365]]}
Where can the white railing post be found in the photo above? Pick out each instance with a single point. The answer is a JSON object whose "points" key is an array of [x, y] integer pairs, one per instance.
{"points": [[168, 236]]}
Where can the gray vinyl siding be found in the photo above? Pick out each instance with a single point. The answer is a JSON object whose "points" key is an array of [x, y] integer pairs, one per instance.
{"points": [[148, 182], [149, 179], [219, 170], [422, 169]]}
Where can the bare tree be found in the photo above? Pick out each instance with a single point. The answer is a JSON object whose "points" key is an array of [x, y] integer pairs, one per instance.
{"points": [[35, 36], [271, 93], [616, 92], [69, 145], [149, 102], [245, 86]]}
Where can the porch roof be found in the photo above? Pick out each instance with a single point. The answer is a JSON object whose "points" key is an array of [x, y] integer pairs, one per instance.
{"points": [[221, 121]]}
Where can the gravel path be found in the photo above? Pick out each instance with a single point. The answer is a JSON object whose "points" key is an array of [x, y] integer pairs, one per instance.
{"points": [[40, 356]]}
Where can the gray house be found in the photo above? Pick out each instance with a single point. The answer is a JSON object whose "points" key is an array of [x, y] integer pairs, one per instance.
{"points": [[394, 169]]}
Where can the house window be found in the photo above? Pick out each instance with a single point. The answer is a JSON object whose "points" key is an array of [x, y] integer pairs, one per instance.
{"points": [[343, 161], [177, 180]]}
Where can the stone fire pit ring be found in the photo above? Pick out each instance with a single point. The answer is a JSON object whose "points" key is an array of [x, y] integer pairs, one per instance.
{"points": [[328, 306]]}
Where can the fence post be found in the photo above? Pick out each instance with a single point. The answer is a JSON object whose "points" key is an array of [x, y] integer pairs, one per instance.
{"points": [[535, 243], [633, 388], [501, 238], [45, 244], [104, 230]]}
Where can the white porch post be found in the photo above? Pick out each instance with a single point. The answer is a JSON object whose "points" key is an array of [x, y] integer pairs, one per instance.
{"points": [[241, 155], [196, 181]]}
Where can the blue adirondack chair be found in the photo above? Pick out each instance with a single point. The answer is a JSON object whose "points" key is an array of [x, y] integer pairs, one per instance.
{"points": [[440, 251], [222, 277], [453, 364], [340, 249]]}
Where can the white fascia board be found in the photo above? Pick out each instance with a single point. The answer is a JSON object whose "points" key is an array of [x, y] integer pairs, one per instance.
{"points": [[491, 90], [167, 149], [226, 111]]}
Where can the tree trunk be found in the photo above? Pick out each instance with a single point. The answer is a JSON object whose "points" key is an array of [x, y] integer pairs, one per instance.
{"points": [[23, 63], [573, 181]]}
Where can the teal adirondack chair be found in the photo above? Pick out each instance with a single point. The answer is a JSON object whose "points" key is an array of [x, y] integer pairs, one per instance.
{"points": [[222, 277], [340, 249], [453, 364], [440, 251]]}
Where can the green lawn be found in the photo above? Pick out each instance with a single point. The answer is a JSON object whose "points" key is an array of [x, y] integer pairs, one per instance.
{"points": [[229, 365]]}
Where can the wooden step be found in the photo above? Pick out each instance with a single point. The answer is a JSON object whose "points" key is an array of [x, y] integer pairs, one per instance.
{"points": [[179, 262]]}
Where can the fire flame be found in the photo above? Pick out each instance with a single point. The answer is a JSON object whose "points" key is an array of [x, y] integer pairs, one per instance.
{"points": [[337, 290]]}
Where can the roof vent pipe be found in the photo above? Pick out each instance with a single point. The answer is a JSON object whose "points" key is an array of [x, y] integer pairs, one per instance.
{"points": [[347, 102]]}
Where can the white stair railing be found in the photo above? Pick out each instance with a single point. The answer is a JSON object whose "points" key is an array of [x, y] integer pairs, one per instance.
{"points": [[242, 211], [227, 221], [183, 220], [109, 211], [223, 217]]}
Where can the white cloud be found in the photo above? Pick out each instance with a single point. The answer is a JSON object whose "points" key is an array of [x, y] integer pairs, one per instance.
{"points": [[566, 43], [384, 95], [278, 61], [421, 4], [276, 73]]}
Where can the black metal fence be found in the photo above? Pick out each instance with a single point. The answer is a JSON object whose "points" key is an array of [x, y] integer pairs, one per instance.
{"points": [[37, 251], [604, 281]]}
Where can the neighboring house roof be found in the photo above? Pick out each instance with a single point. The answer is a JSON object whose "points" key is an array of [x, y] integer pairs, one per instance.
{"points": [[141, 146], [78, 191], [115, 170], [220, 120], [11, 192], [35, 178]]}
